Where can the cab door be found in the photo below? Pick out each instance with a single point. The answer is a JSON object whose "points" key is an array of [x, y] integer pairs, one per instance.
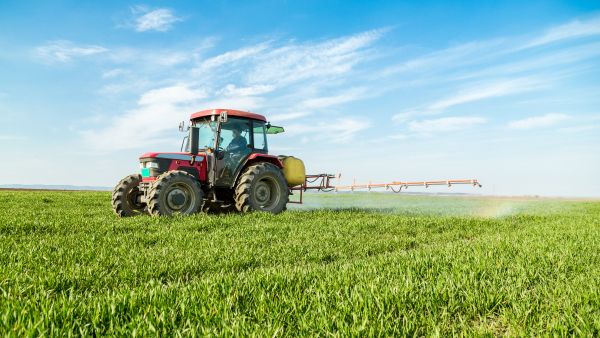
{"points": [[232, 150]]}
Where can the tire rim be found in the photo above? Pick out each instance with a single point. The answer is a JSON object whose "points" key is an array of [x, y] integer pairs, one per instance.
{"points": [[180, 197], [267, 193]]}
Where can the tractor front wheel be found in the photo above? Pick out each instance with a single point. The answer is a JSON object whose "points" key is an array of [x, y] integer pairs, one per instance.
{"points": [[262, 187], [175, 192], [126, 197]]}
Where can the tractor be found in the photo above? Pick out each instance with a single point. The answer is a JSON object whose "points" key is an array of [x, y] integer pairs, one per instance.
{"points": [[224, 166]]}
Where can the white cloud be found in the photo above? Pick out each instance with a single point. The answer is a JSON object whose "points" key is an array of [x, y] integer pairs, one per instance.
{"points": [[140, 127], [65, 51], [473, 93], [138, 57], [230, 57], [161, 19], [398, 137], [295, 62], [405, 116], [454, 56], [545, 61], [299, 79], [288, 116], [495, 89], [159, 110], [266, 63], [171, 58], [116, 72], [246, 103], [328, 101], [444, 124], [538, 121], [233, 90], [571, 30], [171, 95], [338, 130], [342, 130]]}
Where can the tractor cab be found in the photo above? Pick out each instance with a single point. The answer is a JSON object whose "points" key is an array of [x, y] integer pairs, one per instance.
{"points": [[229, 139]]}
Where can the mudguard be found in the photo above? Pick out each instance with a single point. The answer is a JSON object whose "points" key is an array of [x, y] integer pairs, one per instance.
{"points": [[255, 158]]}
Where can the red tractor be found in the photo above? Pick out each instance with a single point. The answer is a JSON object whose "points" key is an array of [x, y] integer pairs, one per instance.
{"points": [[224, 166]]}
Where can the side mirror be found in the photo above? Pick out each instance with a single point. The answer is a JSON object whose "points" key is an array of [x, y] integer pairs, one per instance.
{"points": [[223, 117], [194, 138], [182, 127]]}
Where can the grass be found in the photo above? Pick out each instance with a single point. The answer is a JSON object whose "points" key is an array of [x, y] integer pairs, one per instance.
{"points": [[398, 265]]}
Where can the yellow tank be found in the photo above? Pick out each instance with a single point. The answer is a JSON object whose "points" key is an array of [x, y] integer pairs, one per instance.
{"points": [[293, 170]]}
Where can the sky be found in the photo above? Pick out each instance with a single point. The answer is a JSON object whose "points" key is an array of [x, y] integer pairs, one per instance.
{"points": [[507, 92]]}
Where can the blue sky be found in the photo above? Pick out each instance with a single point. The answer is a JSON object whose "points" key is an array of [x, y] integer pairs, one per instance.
{"points": [[506, 92]]}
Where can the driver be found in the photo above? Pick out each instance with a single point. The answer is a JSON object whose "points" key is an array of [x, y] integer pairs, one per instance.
{"points": [[238, 143]]}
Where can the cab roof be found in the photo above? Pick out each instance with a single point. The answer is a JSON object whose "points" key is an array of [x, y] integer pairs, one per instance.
{"points": [[230, 112]]}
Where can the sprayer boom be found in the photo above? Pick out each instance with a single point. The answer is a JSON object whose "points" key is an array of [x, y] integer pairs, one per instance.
{"points": [[323, 182], [396, 186]]}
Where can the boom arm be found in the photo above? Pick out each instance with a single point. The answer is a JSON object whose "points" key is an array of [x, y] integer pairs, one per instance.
{"points": [[399, 184], [322, 182]]}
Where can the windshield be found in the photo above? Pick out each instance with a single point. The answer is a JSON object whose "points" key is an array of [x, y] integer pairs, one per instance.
{"points": [[236, 134], [206, 138], [207, 130]]}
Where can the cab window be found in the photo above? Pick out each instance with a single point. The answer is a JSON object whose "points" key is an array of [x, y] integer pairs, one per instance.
{"points": [[235, 135], [260, 137]]}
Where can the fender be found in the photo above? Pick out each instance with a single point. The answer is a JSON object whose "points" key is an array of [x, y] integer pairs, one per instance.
{"points": [[255, 158]]}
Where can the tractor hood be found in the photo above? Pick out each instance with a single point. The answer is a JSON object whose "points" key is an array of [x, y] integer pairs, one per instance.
{"points": [[154, 164], [172, 156]]}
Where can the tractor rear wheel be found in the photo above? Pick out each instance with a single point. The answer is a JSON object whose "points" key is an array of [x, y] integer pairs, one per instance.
{"points": [[126, 197], [175, 192], [261, 187]]}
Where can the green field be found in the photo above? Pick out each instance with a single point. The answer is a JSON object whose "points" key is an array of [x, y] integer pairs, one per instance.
{"points": [[344, 264]]}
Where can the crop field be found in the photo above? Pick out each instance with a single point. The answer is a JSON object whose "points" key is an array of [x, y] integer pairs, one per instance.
{"points": [[369, 264]]}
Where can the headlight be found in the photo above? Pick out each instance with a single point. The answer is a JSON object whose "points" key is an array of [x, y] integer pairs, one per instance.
{"points": [[152, 165]]}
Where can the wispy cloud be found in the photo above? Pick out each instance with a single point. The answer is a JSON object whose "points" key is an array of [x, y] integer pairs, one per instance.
{"points": [[486, 91], [288, 116], [502, 87], [231, 57], [538, 121], [444, 124], [233, 90], [291, 80], [65, 51], [398, 136], [350, 95], [295, 62], [543, 62], [171, 95], [160, 20], [112, 73], [571, 30], [283, 78], [455, 56], [337, 130], [158, 111]]}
